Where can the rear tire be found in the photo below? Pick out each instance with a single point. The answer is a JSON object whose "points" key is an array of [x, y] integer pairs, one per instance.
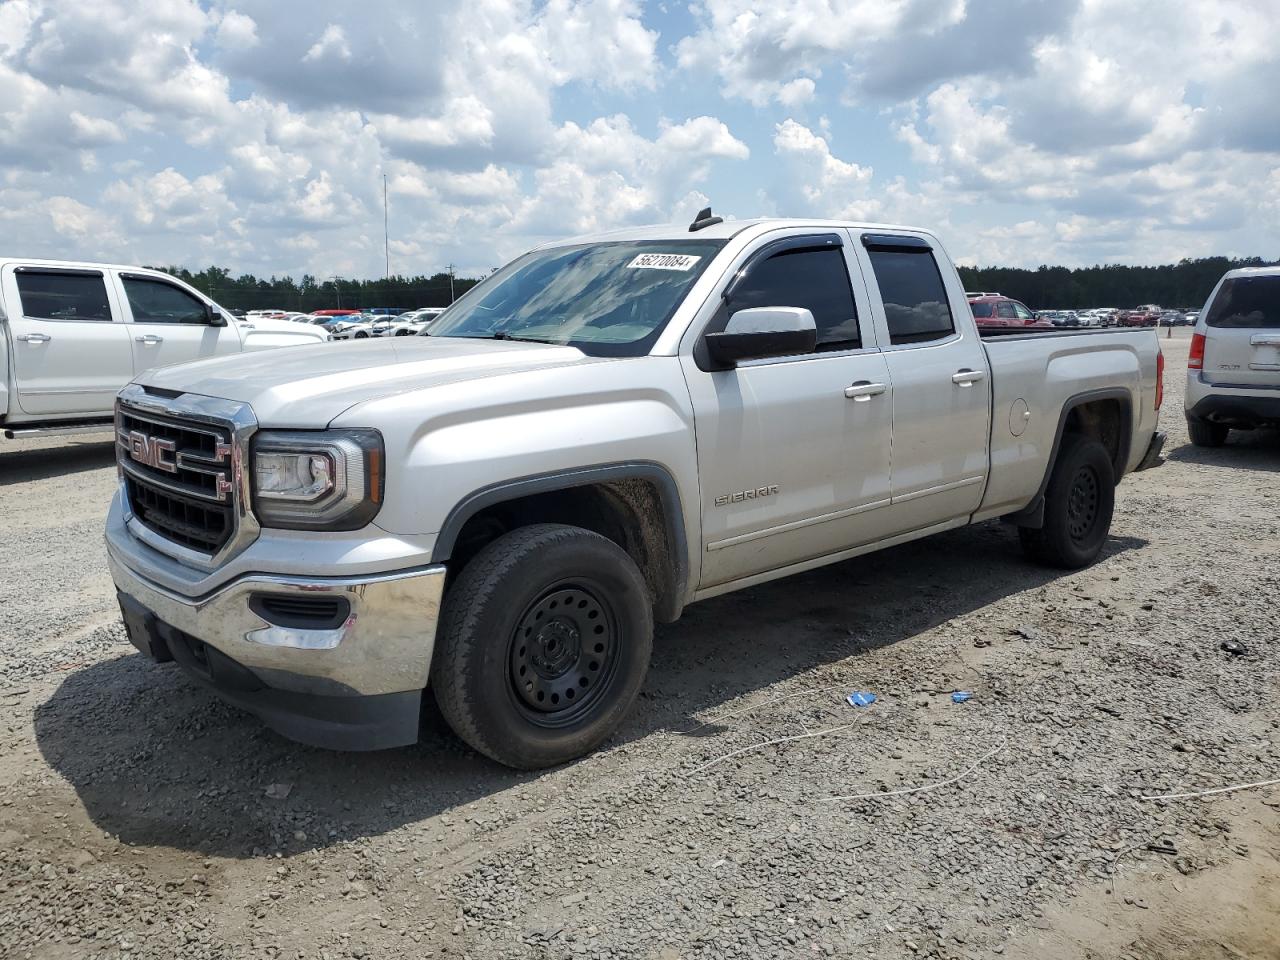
{"points": [[544, 643], [1206, 434], [1077, 506]]}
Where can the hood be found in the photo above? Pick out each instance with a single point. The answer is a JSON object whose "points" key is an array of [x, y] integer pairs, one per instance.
{"points": [[308, 386]]}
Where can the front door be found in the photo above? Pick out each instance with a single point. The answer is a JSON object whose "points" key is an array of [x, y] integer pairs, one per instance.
{"points": [[168, 325], [69, 356], [793, 452]]}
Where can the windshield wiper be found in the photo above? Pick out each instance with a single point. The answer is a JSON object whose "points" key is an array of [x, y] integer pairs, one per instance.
{"points": [[503, 335]]}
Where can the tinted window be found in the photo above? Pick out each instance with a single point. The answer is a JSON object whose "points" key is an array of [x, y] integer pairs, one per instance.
{"points": [[154, 301], [816, 280], [63, 296], [1005, 309], [915, 302], [1252, 302], [981, 309]]}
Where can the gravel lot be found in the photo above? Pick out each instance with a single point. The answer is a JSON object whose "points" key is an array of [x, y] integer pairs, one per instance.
{"points": [[139, 817]]}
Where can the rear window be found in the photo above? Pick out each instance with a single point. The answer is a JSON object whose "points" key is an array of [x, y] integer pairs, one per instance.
{"points": [[49, 295], [915, 301], [981, 309], [1250, 302]]}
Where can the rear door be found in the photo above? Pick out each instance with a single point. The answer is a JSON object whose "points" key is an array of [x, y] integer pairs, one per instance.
{"points": [[941, 391], [793, 452], [70, 355], [168, 324], [1242, 332]]}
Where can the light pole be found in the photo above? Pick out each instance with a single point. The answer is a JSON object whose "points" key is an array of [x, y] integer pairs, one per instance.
{"points": [[337, 292], [451, 283], [386, 233]]}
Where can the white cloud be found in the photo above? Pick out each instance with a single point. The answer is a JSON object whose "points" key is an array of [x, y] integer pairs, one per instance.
{"points": [[331, 46], [256, 133], [237, 31]]}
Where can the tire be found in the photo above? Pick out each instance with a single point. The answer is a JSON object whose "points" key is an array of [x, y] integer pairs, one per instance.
{"points": [[402, 333], [1206, 434], [1077, 506], [361, 335], [582, 609]]}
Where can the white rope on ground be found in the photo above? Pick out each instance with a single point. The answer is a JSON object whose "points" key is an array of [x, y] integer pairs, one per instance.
{"points": [[1207, 793], [927, 787], [770, 743]]}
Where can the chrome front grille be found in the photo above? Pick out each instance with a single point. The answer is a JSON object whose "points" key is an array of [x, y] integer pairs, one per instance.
{"points": [[178, 476], [182, 473]]}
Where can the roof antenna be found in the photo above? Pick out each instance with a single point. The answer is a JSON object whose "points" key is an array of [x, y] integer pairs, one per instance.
{"points": [[704, 219]]}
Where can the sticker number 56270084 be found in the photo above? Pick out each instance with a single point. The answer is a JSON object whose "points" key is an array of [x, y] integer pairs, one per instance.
{"points": [[663, 261]]}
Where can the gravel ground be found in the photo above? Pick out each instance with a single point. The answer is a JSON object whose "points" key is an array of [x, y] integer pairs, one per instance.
{"points": [[139, 817]]}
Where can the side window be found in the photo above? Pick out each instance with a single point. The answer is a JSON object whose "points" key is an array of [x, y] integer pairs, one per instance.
{"points": [[982, 310], [1023, 312], [814, 279], [48, 295], [1005, 309], [154, 301], [915, 301]]}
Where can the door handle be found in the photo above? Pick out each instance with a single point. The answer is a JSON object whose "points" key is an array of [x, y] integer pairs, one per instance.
{"points": [[861, 391], [967, 378], [34, 337], [149, 338]]}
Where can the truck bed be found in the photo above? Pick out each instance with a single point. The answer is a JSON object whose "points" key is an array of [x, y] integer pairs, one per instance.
{"points": [[1034, 375]]}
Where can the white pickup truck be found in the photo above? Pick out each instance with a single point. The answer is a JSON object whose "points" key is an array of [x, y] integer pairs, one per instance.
{"points": [[604, 431], [73, 333]]}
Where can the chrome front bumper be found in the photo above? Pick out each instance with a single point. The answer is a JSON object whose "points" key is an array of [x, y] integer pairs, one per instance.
{"points": [[383, 646]]}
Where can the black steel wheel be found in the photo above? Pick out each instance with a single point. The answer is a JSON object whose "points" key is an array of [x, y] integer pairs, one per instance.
{"points": [[543, 644], [1077, 506], [562, 653], [1082, 504]]}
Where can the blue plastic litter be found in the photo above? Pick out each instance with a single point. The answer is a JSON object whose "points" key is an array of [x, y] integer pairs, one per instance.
{"points": [[861, 698], [960, 696]]}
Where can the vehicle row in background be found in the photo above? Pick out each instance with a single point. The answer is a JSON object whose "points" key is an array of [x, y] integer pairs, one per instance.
{"points": [[357, 324], [997, 310]]}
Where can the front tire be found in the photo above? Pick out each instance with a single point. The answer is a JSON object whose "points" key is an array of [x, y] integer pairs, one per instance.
{"points": [[1077, 506], [1204, 433], [544, 643]]}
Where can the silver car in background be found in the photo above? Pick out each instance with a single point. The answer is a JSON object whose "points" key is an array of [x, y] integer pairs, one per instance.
{"points": [[1233, 372]]}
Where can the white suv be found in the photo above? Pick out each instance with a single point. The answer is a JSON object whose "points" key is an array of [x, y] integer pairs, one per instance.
{"points": [[1233, 372]]}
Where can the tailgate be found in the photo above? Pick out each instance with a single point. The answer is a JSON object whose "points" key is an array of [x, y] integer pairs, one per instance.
{"points": [[1242, 332]]}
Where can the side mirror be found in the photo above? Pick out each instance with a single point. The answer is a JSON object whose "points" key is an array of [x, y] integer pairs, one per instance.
{"points": [[763, 332], [213, 316]]}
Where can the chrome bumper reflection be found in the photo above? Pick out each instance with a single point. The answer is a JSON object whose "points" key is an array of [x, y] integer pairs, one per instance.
{"points": [[383, 646]]}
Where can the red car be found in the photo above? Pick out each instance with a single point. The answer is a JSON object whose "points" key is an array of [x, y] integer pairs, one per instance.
{"points": [[333, 313], [1137, 318], [994, 310]]}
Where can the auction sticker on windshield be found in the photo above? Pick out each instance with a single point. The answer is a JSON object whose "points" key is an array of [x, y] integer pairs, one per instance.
{"points": [[663, 261]]}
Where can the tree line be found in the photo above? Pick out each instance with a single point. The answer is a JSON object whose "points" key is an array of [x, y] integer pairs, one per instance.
{"points": [[247, 292], [1184, 284], [1187, 283]]}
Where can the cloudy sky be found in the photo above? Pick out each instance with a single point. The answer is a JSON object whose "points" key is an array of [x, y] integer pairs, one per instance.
{"points": [[255, 134]]}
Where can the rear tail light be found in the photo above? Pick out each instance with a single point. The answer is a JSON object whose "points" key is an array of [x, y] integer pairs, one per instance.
{"points": [[1159, 377], [1195, 359]]}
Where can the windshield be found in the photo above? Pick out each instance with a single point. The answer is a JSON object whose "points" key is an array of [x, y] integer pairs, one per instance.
{"points": [[607, 299], [1252, 302]]}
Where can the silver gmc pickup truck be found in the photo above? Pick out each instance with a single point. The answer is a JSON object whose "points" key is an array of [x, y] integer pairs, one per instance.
{"points": [[604, 431]]}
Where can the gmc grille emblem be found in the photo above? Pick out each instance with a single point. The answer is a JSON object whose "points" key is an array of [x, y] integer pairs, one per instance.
{"points": [[152, 451]]}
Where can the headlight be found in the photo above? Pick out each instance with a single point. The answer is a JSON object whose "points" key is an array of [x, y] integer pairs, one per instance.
{"points": [[317, 480]]}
